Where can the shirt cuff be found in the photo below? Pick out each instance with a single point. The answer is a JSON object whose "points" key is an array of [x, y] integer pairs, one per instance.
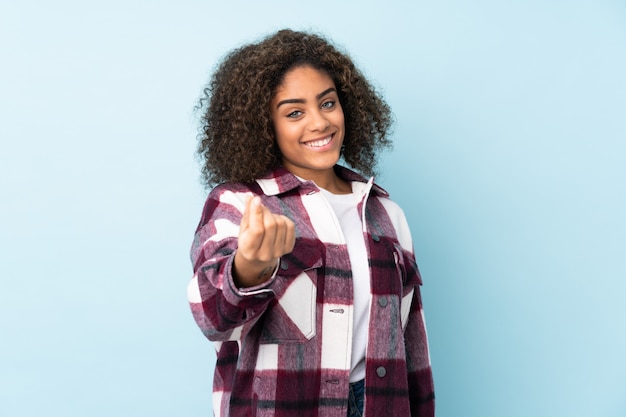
{"points": [[238, 295]]}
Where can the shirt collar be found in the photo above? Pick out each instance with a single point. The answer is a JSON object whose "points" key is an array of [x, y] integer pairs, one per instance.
{"points": [[281, 181]]}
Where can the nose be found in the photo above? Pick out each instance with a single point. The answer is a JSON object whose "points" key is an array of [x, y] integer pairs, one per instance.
{"points": [[318, 121]]}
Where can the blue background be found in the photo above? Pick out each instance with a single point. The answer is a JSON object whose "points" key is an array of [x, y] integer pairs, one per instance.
{"points": [[508, 160]]}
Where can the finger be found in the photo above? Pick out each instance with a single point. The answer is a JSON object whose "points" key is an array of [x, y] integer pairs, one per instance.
{"points": [[285, 235], [243, 225], [255, 217], [281, 231], [288, 235], [251, 237], [270, 228]]}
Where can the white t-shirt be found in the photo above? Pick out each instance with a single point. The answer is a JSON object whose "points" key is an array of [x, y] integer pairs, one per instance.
{"points": [[345, 207]]}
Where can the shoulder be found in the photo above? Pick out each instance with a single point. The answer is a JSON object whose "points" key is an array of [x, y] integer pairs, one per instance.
{"points": [[226, 200], [231, 193], [393, 209], [233, 187], [398, 220]]}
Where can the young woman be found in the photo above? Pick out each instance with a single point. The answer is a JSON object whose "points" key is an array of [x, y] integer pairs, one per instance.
{"points": [[305, 276]]}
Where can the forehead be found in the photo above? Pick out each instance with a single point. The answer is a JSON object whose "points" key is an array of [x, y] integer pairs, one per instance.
{"points": [[304, 79]]}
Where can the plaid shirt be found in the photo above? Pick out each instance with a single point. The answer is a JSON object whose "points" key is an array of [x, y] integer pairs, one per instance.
{"points": [[283, 347]]}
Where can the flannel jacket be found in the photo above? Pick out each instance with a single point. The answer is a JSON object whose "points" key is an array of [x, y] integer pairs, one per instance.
{"points": [[283, 347]]}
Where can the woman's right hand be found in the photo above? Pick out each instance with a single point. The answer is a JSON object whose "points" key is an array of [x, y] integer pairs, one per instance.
{"points": [[263, 238]]}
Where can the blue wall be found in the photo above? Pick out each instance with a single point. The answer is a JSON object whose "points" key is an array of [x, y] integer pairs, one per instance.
{"points": [[508, 160]]}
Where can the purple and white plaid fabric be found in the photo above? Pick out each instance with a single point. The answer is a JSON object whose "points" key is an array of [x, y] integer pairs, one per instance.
{"points": [[283, 348]]}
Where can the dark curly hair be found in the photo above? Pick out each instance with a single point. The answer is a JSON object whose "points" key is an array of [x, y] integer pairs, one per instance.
{"points": [[237, 141]]}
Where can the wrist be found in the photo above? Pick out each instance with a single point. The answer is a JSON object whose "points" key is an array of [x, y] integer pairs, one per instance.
{"points": [[248, 273]]}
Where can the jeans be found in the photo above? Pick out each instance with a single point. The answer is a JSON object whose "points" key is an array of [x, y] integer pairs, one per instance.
{"points": [[355, 399]]}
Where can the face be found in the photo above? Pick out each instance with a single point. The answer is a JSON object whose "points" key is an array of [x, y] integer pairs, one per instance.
{"points": [[308, 122]]}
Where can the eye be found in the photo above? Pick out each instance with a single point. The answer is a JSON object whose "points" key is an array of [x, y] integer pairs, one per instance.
{"points": [[328, 104], [294, 114]]}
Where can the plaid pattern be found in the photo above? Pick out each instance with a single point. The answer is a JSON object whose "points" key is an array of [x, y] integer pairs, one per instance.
{"points": [[283, 348]]}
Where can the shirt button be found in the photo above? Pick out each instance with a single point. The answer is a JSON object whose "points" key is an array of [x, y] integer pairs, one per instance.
{"points": [[381, 371], [376, 238], [382, 301], [284, 265]]}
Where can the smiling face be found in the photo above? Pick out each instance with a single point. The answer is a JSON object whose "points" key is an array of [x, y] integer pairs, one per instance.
{"points": [[308, 123]]}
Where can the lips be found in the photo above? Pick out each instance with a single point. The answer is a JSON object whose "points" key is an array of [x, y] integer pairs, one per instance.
{"points": [[318, 143]]}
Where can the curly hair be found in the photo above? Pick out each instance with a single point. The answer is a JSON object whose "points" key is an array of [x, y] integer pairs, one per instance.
{"points": [[237, 141]]}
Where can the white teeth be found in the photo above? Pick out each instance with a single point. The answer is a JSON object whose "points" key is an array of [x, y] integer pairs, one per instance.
{"points": [[319, 143]]}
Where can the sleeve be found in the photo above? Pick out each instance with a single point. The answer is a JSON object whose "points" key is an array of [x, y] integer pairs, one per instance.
{"points": [[222, 311], [421, 385]]}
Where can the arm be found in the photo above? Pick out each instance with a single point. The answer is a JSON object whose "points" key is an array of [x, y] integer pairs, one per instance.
{"points": [[421, 387], [237, 240]]}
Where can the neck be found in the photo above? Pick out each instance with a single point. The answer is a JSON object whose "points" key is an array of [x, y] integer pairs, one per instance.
{"points": [[328, 180], [336, 186]]}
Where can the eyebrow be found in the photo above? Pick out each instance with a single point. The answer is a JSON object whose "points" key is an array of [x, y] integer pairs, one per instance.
{"points": [[300, 100]]}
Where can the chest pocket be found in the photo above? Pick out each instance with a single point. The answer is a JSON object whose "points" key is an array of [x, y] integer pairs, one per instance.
{"points": [[291, 316]]}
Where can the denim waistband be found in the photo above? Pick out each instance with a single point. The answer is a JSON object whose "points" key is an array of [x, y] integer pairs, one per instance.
{"points": [[361, 382]]}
